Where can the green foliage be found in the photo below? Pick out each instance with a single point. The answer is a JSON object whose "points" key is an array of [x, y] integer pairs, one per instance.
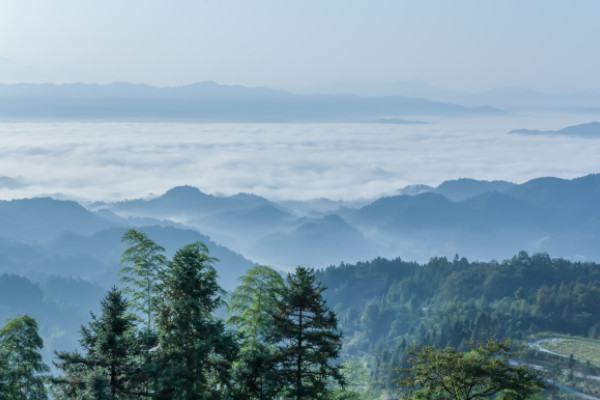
{"points": [[308, 338], [107, 369], [284, 345], [20, 361], [573, 348], [252, 309], [356, 376], [484, 372], [341, 394], [287, 338], [141, 263], [383, 305], [253, 303], [195, 351]]}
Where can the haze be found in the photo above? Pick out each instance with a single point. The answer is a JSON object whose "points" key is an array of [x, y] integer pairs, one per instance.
{"points": [[463, 45]]}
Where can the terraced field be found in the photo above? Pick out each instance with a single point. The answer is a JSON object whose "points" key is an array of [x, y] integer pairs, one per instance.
{"points": [[583, 349]]}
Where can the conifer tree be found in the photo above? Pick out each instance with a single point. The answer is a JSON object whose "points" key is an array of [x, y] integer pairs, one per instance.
{"points": [[194, 352], [107, 369], [308, 338], [21, 364]]}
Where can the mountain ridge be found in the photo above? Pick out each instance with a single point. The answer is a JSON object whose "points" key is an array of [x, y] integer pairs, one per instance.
{"points": [[585, 130], [502, 97], [467, 216], [208, 102]]}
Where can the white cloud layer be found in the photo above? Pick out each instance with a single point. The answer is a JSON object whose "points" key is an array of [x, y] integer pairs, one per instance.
{"points": [[110, 161]]}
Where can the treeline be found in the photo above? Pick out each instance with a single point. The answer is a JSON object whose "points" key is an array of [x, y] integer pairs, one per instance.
{"points": [[384, 306], [159, 338]]}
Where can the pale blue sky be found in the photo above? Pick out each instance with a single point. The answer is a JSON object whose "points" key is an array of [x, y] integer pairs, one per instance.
{"points": [[471, 45]]}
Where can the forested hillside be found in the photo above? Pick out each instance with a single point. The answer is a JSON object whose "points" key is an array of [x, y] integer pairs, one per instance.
{"points": [[385, 306], [382, 308]]}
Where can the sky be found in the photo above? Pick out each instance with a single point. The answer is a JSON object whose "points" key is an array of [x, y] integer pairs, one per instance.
{"points": [[471, 45]]}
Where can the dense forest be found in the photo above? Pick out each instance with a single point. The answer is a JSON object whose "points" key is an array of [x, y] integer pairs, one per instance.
{"points": [[158, 336], [385, 306], [167, 330]]}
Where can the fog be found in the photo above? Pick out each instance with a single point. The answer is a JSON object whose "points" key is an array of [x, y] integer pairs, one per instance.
{"points": [[112, 161]]}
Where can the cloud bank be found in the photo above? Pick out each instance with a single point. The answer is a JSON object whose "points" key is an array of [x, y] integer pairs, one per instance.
{"points": [[111, 161]]}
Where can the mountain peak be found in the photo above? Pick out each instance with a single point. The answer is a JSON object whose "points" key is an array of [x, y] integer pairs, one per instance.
{"points": [[183, 190], [184, 194], [460, 189]]}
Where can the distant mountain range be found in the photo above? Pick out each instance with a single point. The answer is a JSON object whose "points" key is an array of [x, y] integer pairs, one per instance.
{"points": [[588, 130], [460, 189], [209, 102], [57, 257], [42, 237], [57, 260], [477, 219], [505, 98], [212, 102]]}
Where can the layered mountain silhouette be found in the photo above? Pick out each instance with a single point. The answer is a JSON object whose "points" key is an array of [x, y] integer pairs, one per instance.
{"points": [[504, 97], [477, 219], [208, 102], [187, 200], [587, 130], [58, 257], [316, 242], [459, 189], [43, 236]]}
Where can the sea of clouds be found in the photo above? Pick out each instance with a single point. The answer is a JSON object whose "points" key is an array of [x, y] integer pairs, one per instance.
{"points": [[112, 161]]}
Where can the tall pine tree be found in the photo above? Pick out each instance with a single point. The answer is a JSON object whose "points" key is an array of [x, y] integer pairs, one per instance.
{"points": [[308, 338], [195, 352], [107, 370]]}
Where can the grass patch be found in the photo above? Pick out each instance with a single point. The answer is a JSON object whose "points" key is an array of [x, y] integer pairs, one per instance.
{"points": [[583, 349]]}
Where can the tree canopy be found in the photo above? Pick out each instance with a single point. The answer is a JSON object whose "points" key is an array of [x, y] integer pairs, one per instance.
{"points": [[484, 372], [140, 265], [107, 369], [21, 365], [252, 309], [195, 350], [308, 338]]}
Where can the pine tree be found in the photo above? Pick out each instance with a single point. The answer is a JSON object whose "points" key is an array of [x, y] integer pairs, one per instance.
{"points": [[308, 337], [107, 369], [21, 365], [252, 309], [195, 351]]}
